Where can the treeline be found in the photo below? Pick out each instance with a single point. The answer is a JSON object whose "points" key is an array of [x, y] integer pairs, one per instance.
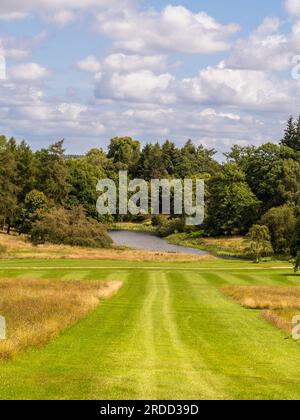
{"points": [[257, 186]]}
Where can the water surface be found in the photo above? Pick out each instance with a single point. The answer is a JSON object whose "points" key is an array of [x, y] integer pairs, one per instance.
{"points": [[148, 242]]}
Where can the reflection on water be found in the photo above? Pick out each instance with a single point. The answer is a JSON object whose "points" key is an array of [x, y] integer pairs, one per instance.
{"points": [[145, 241]]}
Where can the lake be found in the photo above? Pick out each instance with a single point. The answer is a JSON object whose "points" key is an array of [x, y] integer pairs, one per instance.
{"points": [[148, 242]]}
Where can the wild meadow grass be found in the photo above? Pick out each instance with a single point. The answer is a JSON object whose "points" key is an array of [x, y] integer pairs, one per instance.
{"points": [[19, 247], [37, 311], [280, 303], [233, 246]]}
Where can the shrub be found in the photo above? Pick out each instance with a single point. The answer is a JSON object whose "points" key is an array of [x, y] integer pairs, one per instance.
{"points": [[259, 242], [168, 227], [281, 222], [69, 227]]}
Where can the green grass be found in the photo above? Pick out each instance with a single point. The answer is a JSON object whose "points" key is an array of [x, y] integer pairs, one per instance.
{"points": [[169, 333]]}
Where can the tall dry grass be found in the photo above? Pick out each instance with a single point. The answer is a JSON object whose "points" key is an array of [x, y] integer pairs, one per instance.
{"points": [[280, 304], [37, 311], [17, 247], [260, 297]]}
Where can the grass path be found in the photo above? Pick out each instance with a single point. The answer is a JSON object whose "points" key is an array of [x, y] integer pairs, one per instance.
{"points": [[167, 334]]}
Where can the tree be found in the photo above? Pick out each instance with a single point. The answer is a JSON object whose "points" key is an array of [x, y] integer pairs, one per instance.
{"points": [[265, 169], [295, 246], [281, 222], [291, 137], [232, 207], [69, 227], [33, 209], [196, 160], [52, 173], [8, 182], [259, 242], [83, 177], [125, 153], [171, 157], [26, 170], [152, 163]]}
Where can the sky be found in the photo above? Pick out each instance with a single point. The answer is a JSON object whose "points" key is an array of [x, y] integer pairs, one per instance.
{"points": [[219, 73]]}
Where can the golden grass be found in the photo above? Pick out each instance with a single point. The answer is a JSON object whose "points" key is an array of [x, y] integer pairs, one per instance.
{"points": [[17, 247], [37, 311], [280, 304], [231, 244], [281, 318], [260, 297]]}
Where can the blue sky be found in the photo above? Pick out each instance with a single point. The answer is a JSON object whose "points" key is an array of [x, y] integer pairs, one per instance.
{"points": [[213, 71]]}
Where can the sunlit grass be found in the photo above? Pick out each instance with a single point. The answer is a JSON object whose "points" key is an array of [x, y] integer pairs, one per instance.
{"points": [[37, 311]]}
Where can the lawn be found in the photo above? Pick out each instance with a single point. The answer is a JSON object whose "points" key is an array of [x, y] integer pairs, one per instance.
{"points": [[170, 332]]}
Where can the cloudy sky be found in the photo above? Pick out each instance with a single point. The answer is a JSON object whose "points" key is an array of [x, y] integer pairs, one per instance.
{"points": [[216, 72]]}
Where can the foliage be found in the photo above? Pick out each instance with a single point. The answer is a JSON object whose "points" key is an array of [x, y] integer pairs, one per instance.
{"points": [[281, 222], [238, 193], [292, 134], [232, 206], [168, 227], [35, 204], [69, 227], [295, 247], [259, 242]]}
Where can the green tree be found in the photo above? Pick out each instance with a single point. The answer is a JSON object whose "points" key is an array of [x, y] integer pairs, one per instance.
{"points": [[259, 242], [232, 207], [26, 170], [295, 246], [52, 173], [265, 169], [290, 138], [281, 222], [33, 209], [83, 177], [8, 182], [125, 153], [152, 163], [69, 227]]}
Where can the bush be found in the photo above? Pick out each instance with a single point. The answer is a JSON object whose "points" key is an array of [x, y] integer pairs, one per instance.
{"points": [[281, 222], [156, 220], [168, 227], [70, 227]]}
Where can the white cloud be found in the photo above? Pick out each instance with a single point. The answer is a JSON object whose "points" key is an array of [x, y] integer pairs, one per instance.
{"points": [[28, 72], [59, 11], [123, 63], [292, 7], [90, 64], [128, 63], [248, 89], [265, 49], [13, 16], [63, 17], [139, 86], [174, 29], [18, 49], [2, 67], [72, 110]]}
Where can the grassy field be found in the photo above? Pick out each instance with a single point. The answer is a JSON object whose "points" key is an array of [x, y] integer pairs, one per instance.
{"points": [[170, 332], [232, 246], [37, 311]]}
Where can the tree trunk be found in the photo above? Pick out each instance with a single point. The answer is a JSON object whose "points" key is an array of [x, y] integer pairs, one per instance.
{"points": [[8, 226]]}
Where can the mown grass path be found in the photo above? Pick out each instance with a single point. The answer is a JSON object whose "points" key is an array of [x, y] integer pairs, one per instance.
{"points": [[168, 334]]}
